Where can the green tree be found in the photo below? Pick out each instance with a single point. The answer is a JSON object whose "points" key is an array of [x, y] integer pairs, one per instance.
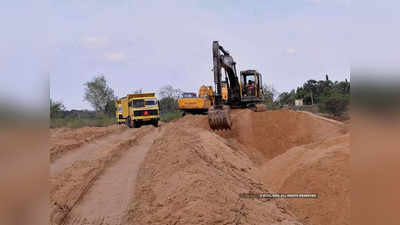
{"points": [[56, 109], [169, 98], [335, 103], [269, 94], [110, 108], [99, 94], [287, 98]]}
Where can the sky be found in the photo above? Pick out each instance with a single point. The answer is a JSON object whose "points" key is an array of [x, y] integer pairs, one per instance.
{"points": [[149, 44]]}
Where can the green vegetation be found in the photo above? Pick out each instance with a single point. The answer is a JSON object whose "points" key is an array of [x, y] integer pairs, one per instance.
{"points": [[331, 97], [56, 108], [169, 104], [77, 119], [170, 116], [335, 104], [269, 94], [99, 95]]}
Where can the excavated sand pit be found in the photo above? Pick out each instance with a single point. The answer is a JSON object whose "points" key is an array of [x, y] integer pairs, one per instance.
{"points": [[193, 175]]}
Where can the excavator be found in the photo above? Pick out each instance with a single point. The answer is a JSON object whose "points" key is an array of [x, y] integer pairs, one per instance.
{"points": [[246, 93]]}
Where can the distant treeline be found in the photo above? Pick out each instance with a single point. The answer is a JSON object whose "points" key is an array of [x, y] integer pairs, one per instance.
{"points": [[331, 97]]}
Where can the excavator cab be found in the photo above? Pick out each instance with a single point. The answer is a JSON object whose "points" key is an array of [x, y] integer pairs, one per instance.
{"points": [[250, 85]]}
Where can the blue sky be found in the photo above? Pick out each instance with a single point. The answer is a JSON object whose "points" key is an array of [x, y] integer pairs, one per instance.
{"points": [[150, 44]]}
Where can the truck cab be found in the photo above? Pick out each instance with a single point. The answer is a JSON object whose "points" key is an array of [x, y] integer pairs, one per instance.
{"points": [[142, 109]]}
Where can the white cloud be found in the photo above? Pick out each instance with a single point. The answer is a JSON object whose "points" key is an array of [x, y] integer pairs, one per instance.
{"points": [[115, 56], [291, 51], [315, 1], [94, 42]]}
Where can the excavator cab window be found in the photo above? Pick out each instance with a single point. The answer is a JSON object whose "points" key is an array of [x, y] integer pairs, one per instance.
{"points": [[249, 84], [189, 95]]}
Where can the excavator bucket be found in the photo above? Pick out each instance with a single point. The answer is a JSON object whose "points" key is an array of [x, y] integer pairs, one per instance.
{"points": [[219, 119]]}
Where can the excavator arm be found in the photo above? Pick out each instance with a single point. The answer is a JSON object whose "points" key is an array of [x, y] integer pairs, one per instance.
{"points": [[219, 114], [222, 59]]}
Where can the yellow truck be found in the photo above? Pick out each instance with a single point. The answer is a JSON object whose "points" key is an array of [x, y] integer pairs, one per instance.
{"points": [[138, 109]]}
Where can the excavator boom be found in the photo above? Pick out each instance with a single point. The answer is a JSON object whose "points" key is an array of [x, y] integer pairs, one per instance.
{"points": [[219, 114], [247, 96]]}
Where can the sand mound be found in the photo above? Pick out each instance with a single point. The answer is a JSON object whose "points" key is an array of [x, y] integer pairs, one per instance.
{"points": [[194, 175], [322, 168], [191, 176]]}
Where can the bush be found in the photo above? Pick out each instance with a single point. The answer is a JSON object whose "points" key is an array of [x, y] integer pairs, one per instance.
{"points": [[76, 122], [170, 116], [335, 104], [168, 105]]}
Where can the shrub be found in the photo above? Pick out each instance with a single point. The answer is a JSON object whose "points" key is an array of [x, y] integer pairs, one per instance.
{"points": [[100, 120], [335, 104], [170, 116]]}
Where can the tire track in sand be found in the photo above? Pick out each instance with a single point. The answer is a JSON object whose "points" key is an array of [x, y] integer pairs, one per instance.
{"points": [[108, 198], [90, 151]]}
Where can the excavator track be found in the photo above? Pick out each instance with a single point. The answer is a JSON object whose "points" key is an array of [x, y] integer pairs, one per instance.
{"points": [[219, 119]]}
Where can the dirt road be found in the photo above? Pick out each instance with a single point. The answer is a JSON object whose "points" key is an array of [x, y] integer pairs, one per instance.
{"points": [[112, 190], [184, 173], [92, 183]]}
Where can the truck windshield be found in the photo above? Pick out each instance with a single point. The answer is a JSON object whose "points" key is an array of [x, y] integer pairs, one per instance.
{"points": [[138, 103], [150, 102]]}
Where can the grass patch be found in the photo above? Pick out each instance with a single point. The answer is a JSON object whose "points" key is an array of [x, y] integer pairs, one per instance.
{"points": [[75, 122], [170, 116]]}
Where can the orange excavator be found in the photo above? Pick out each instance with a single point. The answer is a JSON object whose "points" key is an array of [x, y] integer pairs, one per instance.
{"points": [[192, 103], [246, 93], [196, 104]]}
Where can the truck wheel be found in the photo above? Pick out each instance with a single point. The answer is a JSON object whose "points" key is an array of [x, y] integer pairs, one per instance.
{"points": [[128, 122], [155, 123], [136, 124]]}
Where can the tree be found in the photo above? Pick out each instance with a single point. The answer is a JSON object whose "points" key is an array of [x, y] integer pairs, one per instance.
{"points": [[98, 94], [287, 98], [169, 92], [331, 97], [269, 94], [169, 97], [110, 108], [56, 108], [335, 103]]}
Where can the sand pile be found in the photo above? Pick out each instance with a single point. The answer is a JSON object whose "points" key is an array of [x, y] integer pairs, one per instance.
{"points": [[323, 168], [191, 176]]}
